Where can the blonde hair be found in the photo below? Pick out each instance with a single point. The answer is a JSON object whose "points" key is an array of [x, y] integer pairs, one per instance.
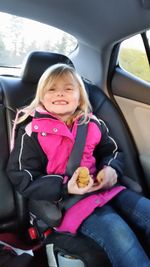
{"points": [[47, 80]]}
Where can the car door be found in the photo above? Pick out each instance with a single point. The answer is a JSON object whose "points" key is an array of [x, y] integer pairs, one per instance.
{"points": [[129, 86]]}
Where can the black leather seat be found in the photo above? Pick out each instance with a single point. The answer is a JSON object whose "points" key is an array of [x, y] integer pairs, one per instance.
{"points": [[12, 205], [17, 92]]}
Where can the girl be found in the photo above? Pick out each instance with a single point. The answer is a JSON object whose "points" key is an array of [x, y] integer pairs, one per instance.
{"points": [[38, 162]]}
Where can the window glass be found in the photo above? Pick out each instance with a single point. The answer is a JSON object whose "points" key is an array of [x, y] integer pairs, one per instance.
{"points": [[133, 58], [19, 36]]}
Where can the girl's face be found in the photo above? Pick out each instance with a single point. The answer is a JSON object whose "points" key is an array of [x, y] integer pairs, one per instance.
{"points": [[62, 99]]}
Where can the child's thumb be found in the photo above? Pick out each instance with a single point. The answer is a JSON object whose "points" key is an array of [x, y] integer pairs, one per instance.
{"points": [[75, 175]]}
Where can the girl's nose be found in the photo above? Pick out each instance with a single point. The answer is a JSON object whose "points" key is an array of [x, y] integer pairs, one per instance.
{"points": [[60, 93]]}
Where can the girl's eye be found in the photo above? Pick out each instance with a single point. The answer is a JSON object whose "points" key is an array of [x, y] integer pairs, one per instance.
{"points": [[69, 89], [51, 89]]}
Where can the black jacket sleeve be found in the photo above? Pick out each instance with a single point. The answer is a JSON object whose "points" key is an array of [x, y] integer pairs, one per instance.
{"points": [[27, 170], [107, 152]]}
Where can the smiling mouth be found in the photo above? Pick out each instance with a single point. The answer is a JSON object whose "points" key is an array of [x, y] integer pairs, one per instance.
{"points": [[60, 102]]}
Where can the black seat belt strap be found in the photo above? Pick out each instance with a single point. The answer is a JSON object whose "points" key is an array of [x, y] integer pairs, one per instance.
{"points": [[74, 162], [77, 151]]}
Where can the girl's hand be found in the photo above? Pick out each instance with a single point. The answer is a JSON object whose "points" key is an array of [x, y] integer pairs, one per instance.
{"points": [[108, 179], [73, 187]]}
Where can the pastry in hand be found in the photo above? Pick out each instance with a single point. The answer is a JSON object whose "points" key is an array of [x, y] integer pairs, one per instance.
{"points": [[84, 177], [100, 176]]}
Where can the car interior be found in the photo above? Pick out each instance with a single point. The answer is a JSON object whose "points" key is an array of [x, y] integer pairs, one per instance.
{"points": [[119, 98]]}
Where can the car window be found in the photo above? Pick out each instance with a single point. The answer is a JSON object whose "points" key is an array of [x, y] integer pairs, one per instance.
{"points": [[133, 57], [19, 36]]}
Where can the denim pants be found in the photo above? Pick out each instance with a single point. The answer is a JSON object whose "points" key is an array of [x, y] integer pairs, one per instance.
{"points": [[111, 227]]}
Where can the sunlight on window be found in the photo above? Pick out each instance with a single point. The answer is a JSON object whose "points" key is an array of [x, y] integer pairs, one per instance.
{"points": [[19, 36], [134, 42], [133, 58]]}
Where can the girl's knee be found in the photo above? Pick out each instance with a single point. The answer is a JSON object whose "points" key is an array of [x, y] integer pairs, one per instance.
{"points": [[109, 224]]}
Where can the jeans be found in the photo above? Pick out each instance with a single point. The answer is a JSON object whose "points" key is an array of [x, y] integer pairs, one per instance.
{"points": [[110, 227]]}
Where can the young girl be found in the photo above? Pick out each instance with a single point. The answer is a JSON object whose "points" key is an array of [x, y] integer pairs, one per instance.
{"points": [[38, 162]]}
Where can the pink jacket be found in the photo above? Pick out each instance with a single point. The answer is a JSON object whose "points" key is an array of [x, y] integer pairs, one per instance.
{"points": [[56, 141], [64, 139]]}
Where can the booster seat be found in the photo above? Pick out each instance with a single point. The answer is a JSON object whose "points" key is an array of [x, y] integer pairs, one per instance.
{"points": [[17, 92]]}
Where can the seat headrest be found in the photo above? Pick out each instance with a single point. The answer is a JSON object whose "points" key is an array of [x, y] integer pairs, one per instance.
{"points": [[38, 61]]}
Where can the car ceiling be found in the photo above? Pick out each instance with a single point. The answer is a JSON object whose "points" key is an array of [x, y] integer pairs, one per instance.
{"points": [[97, 22]]}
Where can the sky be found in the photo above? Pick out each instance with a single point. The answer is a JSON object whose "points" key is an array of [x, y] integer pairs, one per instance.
{"points": [[31, 29], [134, 42]]}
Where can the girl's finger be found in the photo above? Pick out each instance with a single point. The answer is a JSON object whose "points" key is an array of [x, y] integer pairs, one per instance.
{"points": [[75, 176]]}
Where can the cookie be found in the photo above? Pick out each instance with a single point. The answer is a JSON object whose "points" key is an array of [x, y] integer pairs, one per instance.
{"points": [[84, 177]]}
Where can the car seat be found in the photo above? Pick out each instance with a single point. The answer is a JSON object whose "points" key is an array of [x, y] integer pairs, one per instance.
{"points": [[12, 205], [16, 92]]}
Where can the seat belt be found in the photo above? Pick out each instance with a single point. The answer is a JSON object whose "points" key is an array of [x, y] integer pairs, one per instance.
{"points": [[77, 151], [74, 163]]}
